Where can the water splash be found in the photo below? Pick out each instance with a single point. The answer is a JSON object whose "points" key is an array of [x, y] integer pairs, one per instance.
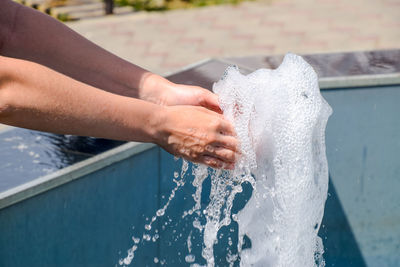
{"points": [[280, 118]]}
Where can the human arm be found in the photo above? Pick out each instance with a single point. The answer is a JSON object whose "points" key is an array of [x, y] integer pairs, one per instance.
{"points": [[30, 35], [33, 96]]}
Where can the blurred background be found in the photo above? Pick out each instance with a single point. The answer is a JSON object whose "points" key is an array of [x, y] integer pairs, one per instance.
{"points": [[165, 35]]}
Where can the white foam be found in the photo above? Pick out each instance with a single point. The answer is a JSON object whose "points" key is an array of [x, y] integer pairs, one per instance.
{"points": [[280, 118]]}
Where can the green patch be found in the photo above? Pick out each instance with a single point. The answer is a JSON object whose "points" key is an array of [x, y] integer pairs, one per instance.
{"points": [[63, 17], [161, 5]]}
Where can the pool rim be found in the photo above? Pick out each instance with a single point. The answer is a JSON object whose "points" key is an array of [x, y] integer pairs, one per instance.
{"points": [[82, 168]]}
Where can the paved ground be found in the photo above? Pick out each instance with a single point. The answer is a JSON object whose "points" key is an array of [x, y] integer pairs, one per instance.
{"points": [[164, 42]]}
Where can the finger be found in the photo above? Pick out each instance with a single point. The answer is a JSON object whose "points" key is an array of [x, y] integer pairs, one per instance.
{"points": [[210, 101], [211, 112], [216, 163], [226, 128], [222, 153], [228, 142]]}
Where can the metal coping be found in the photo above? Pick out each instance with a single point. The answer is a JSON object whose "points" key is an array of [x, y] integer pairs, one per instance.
{"points": [[70, 173], [359, 81], [338, 82], [77, 170]]}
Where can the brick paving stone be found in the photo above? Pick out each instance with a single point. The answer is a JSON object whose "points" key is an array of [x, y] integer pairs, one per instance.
{"points": [[167, 41]]}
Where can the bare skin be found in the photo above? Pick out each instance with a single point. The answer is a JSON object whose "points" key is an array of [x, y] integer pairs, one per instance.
{"points": [[139, 105], [30, 35], [35, 97]]}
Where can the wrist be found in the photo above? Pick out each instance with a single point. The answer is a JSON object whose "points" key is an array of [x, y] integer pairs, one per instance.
{"points": [[157, 124], [153, 88]]}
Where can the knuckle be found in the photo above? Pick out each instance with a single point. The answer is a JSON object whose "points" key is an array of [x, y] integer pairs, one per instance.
{"points": [[198, 149], [211, 162], [233, 143], [211, 138], [193, 154], [201, 97], [207, 162], [216, 123], [209, 148], [231, 155], [234, 146], [227, 154]]}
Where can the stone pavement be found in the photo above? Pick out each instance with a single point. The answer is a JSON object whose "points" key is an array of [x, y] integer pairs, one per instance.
{"points": [[166, 41]]}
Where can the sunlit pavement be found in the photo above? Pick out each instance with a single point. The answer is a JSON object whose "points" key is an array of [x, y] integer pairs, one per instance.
{"points": [[167, 41]]}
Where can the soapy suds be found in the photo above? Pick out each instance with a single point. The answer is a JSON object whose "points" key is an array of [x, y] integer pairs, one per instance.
{"points": [[280, 118]]}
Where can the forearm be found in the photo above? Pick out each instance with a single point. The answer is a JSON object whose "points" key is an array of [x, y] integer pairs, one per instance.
{"points": [[39, 38], [35, 97]]}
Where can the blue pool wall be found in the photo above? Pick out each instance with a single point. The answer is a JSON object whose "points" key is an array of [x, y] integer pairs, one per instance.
{"points": [[90, 221]]}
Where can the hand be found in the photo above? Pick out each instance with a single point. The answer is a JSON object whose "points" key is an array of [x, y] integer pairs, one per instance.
{"points": [[163, 92], [179, 94], [199, 135]]}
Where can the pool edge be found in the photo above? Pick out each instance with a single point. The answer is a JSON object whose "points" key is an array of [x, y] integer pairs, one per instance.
{"points": [[70, 173], [75, 171]]}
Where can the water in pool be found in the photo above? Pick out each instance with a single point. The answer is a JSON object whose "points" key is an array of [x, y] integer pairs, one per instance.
{"points": [[280, 118]]}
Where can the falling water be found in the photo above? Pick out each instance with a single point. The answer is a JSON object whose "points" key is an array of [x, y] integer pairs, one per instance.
{"points": [[280, 119]]}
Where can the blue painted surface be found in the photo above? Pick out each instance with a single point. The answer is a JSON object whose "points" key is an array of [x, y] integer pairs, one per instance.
{"points": [[26, 155], [89, 221], [86, 222], [363, 144]]}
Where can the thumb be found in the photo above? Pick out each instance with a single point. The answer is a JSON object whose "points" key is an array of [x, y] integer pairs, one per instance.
{"points": [[210, 101]]}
